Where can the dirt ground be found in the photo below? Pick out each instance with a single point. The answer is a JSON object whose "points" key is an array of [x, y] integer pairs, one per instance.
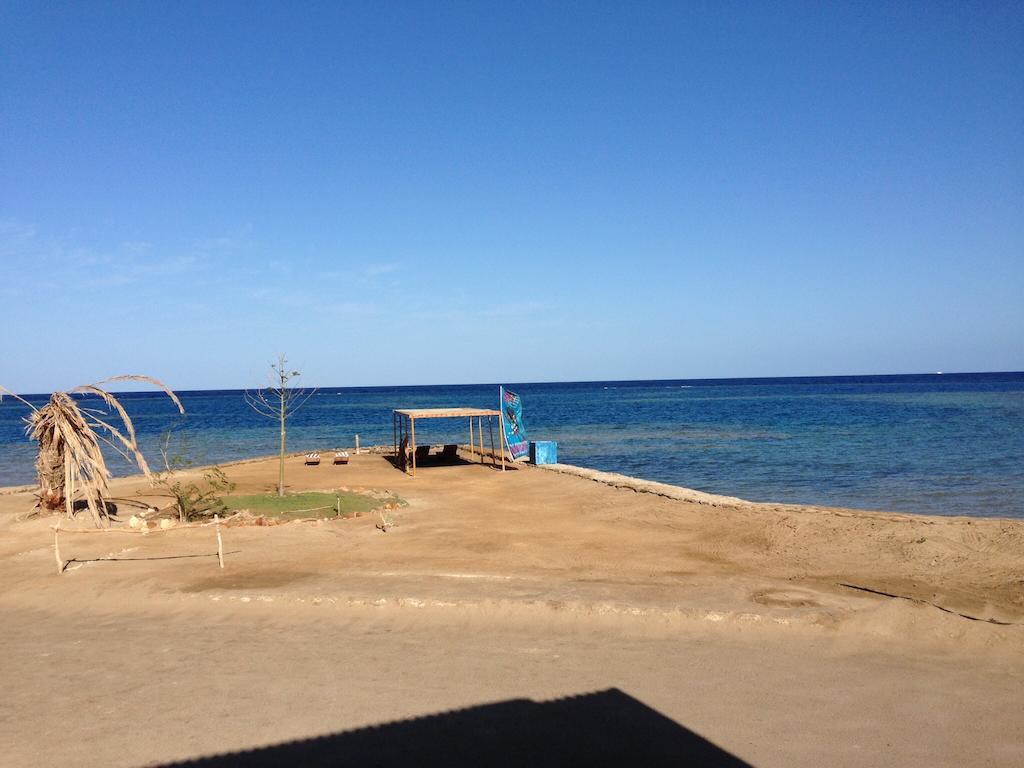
{"points": [[753, 632]]}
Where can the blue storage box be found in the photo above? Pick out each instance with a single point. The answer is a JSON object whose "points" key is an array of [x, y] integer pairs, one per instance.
{"points": [[543, 452]]}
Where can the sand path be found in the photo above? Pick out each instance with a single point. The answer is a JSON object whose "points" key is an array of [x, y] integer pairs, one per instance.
{"points": [[726, 617]]}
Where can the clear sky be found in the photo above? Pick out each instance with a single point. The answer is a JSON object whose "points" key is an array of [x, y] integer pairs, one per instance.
{"points": [[403, 193]]}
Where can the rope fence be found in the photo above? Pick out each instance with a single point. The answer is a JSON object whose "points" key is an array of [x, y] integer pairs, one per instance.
{"points": [[216, 524]]}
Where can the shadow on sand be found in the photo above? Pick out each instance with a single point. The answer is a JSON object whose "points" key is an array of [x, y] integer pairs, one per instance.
{"points": [[602, 728], [491, 461]]}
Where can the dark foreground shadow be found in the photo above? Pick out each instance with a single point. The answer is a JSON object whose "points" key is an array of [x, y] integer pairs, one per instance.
{"points": [[603, 728]]}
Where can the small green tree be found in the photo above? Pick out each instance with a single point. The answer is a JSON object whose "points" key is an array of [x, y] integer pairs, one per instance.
{"points": [[278, 401], [192, 500]]}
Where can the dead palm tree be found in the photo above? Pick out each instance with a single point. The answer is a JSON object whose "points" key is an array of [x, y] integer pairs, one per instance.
{"points": [[70, 461]]}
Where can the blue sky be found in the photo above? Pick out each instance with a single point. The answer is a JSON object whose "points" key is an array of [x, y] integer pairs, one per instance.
{"points": [[402, 193]]}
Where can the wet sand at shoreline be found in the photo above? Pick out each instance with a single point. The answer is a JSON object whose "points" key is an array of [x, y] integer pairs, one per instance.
{"points": [[727, 617]]}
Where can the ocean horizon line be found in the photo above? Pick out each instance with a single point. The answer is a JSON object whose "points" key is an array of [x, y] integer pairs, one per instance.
{"points": [[705, 381]]}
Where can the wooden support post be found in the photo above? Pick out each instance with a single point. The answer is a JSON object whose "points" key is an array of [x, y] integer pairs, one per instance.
{"points": [[412, 430], [56, 547], [472, 448], [480, 436], [490, 427], [220, 541], [501, 430], [357, 443]]}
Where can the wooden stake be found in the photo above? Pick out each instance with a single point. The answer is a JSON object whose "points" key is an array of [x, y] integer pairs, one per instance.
{"points": [[357, 443], [56, 547], [220, 541]]}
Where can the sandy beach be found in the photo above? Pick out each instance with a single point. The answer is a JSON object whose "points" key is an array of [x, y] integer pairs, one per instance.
{"points": [[735, 289], [747, 632]]}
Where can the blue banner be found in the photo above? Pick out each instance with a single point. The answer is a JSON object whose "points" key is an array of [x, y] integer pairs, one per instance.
{"points": [[515, 430]]}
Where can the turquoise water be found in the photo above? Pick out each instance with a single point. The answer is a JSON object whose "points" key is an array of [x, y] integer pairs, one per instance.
{"points": [[937, 444]]}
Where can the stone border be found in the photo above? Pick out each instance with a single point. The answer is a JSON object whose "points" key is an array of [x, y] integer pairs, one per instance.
{"points": [[665, 490], [679, 493]]}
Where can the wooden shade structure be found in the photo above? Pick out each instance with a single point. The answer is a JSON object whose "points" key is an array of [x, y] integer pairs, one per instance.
{"points": [[404, 424]]}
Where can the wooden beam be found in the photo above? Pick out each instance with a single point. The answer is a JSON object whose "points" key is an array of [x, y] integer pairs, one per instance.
{"points": [[445, 413]]}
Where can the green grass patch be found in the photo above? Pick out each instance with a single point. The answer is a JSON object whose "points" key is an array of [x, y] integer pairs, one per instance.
{"points": [[300, 506]]}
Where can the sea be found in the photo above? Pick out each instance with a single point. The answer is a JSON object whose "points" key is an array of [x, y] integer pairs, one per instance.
{"points": [[938, 444]]}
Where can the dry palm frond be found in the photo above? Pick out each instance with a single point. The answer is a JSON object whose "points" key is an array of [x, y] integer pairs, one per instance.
{"points": [[70, 461], [5, 390]]}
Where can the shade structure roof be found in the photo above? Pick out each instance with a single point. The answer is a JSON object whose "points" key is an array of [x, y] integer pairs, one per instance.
{"points": [[445, 413]]}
